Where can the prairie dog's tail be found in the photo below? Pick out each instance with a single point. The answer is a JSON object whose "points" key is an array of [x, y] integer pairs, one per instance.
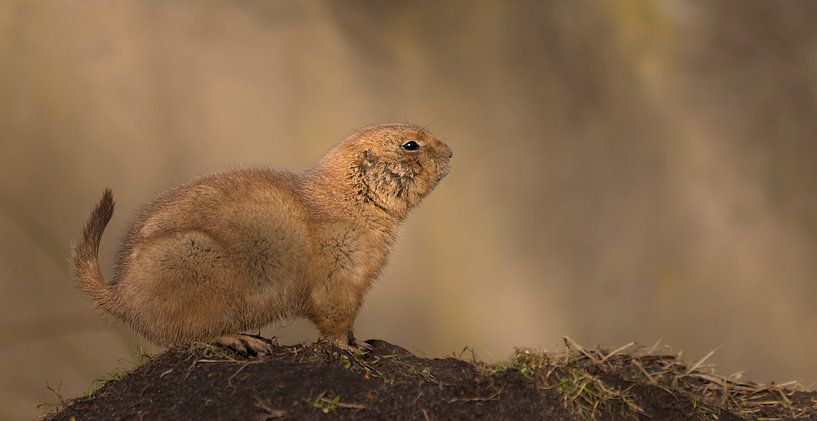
{"points": [[87, 275]]}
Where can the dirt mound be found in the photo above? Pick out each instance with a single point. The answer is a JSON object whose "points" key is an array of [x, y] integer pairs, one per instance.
{"points": [[316, 380]]}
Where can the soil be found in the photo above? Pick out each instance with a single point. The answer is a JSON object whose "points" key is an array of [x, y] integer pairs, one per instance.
{"points": [[315, 381]]}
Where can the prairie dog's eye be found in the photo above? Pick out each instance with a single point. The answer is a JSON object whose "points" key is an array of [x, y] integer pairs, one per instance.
{"points": [[410, 145]]}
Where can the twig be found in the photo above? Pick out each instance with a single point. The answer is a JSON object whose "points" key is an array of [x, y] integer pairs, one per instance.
{"points": [[644, 371], [701, 361], [570, 342], [476, 399], [616, 351], [343, 405], [243, 366]]}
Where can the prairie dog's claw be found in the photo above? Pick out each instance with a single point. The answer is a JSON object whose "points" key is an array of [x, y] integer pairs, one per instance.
{"points": [[361, 346], [364, 346]]}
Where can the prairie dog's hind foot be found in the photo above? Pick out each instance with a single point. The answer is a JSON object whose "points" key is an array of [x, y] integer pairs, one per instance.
{"points": [[250, 345]]}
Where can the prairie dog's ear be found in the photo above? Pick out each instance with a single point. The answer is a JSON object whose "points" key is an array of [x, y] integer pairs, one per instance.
{"points": [[368, 159]]}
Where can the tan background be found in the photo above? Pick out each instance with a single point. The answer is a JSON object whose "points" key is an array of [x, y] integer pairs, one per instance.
{"points": [[624, 170]]}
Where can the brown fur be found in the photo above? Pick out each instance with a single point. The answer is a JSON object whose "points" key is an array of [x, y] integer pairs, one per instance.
{"points": [[237, 250]]}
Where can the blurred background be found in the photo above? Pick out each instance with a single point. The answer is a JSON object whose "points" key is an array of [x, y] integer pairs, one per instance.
{"points": [[627, 170]]}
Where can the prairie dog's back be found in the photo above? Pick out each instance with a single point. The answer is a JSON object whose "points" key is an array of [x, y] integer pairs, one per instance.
{"points": [[205, 201], [255, 216]]}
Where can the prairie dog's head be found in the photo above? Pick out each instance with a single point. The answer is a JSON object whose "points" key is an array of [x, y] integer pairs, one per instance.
{"points": [[397, 164]]}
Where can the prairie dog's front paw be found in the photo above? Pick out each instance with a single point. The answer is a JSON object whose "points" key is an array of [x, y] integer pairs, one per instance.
{"points": [[347, 342]]}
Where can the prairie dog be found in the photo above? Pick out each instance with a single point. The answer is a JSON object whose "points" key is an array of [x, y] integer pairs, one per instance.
{"points": [[235, 251]]}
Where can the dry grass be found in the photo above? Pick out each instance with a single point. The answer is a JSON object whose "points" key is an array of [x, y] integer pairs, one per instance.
{"points": [[597, 382]]}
